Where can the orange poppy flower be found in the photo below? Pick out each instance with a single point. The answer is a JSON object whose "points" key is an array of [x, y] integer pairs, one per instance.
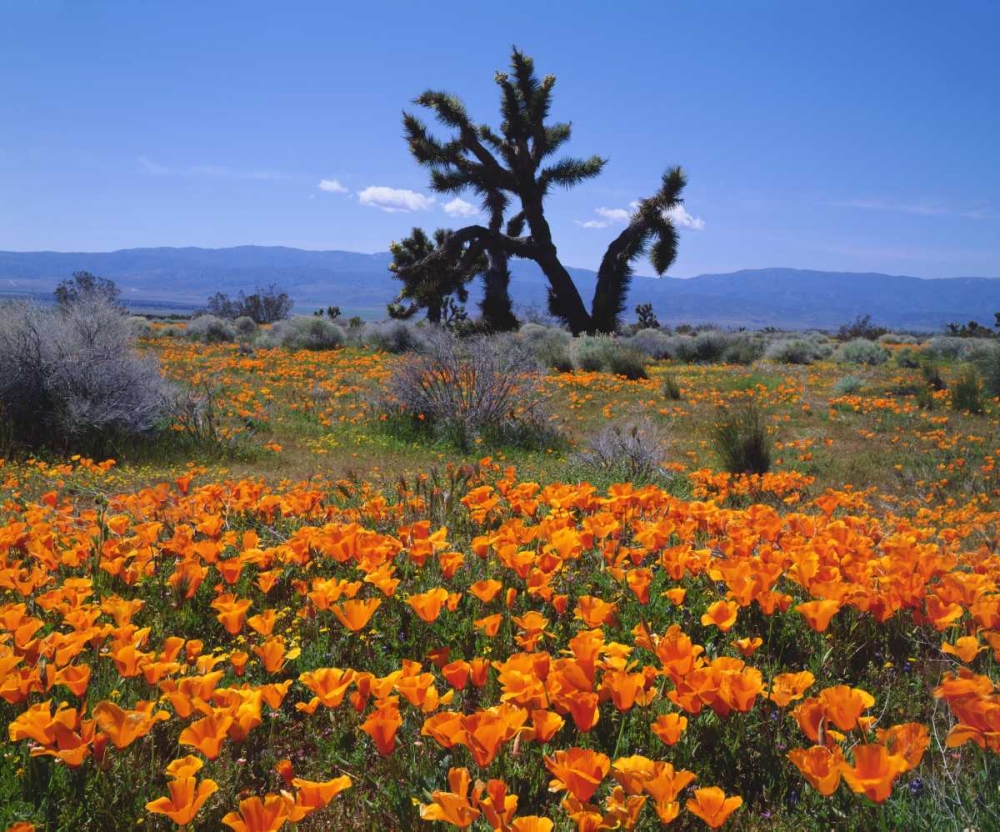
{"points": [[187, 796], [820, 766], [382, 725], [790, 687], [639, 581], [874, 771], [311, 796], [843, 705], [124, 727], [819, 613], [676, 595], [453, 807], [207, 734], [721, 614], [257, 815], [490, 625], [531, 823], [712, 805], [669, 727], [546, 724], [356, 614], [665, 782], [748, 646], [908, 741], [594, 611], [965, 648], [486, 590], [578, 771], [428, 604]]}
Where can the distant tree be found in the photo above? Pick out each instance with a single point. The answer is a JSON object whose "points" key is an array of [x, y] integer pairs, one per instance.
{"points": [[432, 278], [973, 329], [86, 286], [512, 164], [264, 306], [647, 317], [861, 327], [333, 312], [997, 316]]}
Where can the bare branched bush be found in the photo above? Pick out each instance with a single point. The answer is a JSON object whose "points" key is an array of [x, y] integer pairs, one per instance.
{"points": [[627, 452], [72, 376], [472, 389], [198, 414]]}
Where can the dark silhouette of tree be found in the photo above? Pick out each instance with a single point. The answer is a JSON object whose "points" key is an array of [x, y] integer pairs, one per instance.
{"points": [[86, 286], [515, 164], [646, 316], [433, 275], [264, 306]]}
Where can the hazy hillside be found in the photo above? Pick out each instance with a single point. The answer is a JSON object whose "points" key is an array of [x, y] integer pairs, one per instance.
{"points": [[181, 278]]}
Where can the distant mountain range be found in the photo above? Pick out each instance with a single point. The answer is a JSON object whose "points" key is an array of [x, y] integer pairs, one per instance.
{"points": [[180, 279]]}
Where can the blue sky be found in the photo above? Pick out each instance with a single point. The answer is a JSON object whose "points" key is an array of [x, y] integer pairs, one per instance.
{"points": [[852, 136]]}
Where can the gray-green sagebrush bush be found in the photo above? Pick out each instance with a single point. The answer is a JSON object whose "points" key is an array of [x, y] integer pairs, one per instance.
{"points": [[72, 377]]}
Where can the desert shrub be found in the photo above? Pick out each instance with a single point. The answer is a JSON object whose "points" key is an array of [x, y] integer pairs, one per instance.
{"points": [[897, 338], [908, 358], [848, 386], [550, 344], [245, 326], [394, 336], [861, 351], [306, 332], [141, 328], [967, 392], [72, 377], [988, 363], [680, 348], [741, 440], [466, 390], [671, 388], [792, 351], [933, 379], [590, 353], [743, 349], [653, 342], [953, 348], [709, 346], [604, 353], [626, 452], [627, 362], [861, 327], [210, 330]]}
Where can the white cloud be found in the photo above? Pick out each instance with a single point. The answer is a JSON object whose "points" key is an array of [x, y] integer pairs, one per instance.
{"points": [[395, 200], [332, 186], [682, 218], [613, 214], [150, 166], [593, 224], [460, 208]]}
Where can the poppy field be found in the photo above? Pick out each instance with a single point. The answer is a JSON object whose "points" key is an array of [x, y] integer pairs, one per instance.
{"points": [[301, 617]]}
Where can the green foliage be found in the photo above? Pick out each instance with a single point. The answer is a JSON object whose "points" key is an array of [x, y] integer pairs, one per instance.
{"points": [[862, 351], [741, 440], [671, 388], [967, 393]]}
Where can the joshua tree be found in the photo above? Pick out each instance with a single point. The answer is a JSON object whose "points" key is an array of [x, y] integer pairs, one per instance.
{"points": [[430, 279], [515, 164]]}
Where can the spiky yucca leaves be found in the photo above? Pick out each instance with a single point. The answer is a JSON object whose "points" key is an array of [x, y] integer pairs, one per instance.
{"points": [[650, 223], [516, 162], [431, 274]]}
